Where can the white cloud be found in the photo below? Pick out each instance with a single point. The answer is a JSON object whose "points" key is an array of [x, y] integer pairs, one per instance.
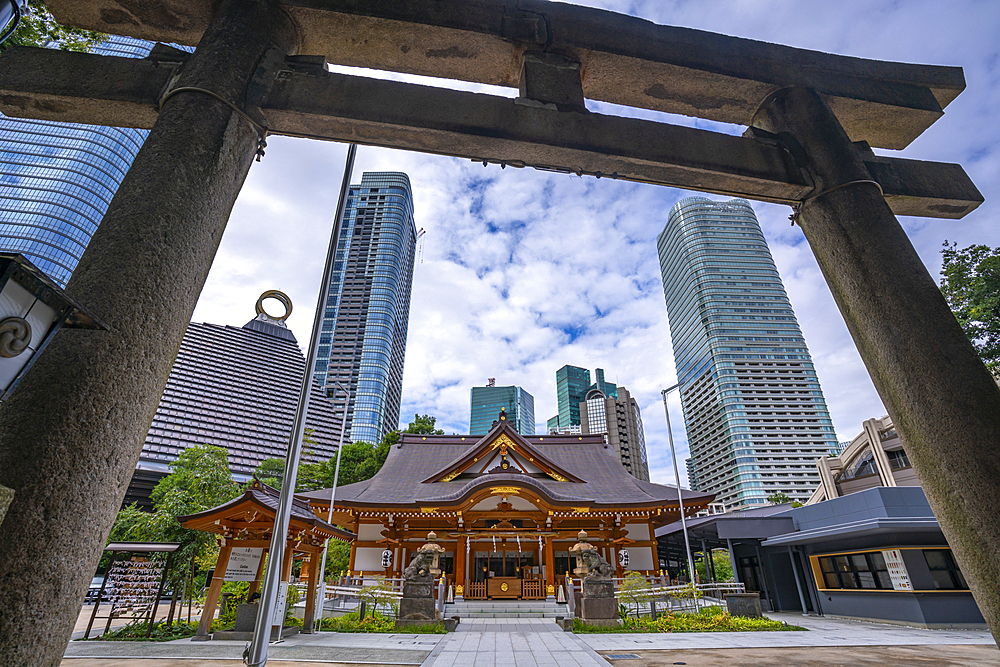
{"points": [[526, 271]]}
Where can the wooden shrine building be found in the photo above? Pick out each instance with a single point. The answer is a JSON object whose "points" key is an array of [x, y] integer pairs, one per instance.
{"points": [[244, 525], [505, 507]]}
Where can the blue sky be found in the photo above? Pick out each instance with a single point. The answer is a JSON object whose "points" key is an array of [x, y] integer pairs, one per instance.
{"points": [[526, 271]]}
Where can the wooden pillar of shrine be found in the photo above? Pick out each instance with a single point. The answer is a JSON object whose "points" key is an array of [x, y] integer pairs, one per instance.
{"points": [[310, 614], [459, 561], [212, 598]]}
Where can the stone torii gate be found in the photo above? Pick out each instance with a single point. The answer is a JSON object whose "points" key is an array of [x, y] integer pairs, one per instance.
{"points": [[71, 433]]}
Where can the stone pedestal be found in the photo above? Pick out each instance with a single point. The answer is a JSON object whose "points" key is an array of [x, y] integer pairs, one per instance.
{"points": [[417, 604], [744, 604], [598, 605]]}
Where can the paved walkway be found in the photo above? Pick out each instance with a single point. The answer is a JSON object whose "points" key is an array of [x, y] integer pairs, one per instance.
{"points": [[531, 644]]}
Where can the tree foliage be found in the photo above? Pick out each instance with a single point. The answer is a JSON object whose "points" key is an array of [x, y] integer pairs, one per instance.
{"points": [[39, 28], [970, 282]]}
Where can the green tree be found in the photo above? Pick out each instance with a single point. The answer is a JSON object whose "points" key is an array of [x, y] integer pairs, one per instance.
{"points": [[780, 498], [39, 28], [723, 567], [970, 282], [423, 424]]}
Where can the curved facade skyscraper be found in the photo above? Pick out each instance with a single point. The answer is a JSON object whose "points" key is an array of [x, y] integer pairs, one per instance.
{"points": [[363, 340], [754, 411], [57, 179]]}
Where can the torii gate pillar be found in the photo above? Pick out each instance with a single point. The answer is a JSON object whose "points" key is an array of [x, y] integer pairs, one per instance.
{"points": [[71, 435], [942, 400]]}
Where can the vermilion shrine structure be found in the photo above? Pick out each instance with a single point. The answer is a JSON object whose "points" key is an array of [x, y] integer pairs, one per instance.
{"points": [[506, 509], [71, 433]]}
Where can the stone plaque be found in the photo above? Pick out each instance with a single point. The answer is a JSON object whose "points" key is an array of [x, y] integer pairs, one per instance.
{"points": [[744, 604]]}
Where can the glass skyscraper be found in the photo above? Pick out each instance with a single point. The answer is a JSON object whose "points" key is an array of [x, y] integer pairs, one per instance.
{"points": [[755, 415], [572, 385], [487, 402], [363, 340], [57, 179]]}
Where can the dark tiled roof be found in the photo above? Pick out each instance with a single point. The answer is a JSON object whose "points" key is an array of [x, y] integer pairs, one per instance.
{"points": [[416, 458]]}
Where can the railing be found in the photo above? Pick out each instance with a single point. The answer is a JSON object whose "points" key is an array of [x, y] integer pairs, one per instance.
{"points": [[683, 597], [476, 590], [533, 589]]}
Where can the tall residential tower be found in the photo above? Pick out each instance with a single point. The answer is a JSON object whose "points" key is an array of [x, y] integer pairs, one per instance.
{"points": [[363, 340], [617, 417], [57, 179], [753, 408]]}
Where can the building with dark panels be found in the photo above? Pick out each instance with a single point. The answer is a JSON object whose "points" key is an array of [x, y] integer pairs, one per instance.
{"points": [[487, 402], [619, 420], [363, 338], [754, 411], [876, 555], [237, 388], [57, 179], [572, 385]]}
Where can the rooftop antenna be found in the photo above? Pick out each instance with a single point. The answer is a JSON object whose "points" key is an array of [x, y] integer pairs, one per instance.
{"points": [[491, 382], [420, 244]]}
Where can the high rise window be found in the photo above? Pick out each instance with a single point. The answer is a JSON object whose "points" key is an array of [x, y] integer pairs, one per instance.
{"points": [[368, 312], [753, 407]]}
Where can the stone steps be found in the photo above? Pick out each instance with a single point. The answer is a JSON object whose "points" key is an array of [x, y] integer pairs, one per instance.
{"points": [[505, 609]]}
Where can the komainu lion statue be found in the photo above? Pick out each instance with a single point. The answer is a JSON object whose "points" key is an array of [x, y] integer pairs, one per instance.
{"points": [[419, 568]]}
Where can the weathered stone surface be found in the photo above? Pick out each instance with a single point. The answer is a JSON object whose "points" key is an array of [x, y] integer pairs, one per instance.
{"points": [[942, 400], [627, 60], [744, 604], [592, 609], [71, 433], [598, 588], [417, 609], [246, 617]]}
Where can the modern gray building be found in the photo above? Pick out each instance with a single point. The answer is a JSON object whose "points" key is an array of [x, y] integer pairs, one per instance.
{"points": [[755, 415], [363, 340], [618, 418], [237, 388], [487, 402], [57, 179]]}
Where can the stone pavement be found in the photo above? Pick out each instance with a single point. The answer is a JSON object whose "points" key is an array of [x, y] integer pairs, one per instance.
{"points": [[528, 644], [393, 649], [938, 655], [823, 631]]}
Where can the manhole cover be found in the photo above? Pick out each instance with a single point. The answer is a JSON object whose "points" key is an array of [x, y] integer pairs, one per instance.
{"points": [[622, 656]]}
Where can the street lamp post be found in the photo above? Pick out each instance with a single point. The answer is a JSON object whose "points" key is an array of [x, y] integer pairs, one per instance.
{"points": [[677, 478], [256, 654], [329, 517]]}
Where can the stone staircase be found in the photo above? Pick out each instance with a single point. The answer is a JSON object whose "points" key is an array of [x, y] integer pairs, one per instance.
{"points": [[506, 609]]}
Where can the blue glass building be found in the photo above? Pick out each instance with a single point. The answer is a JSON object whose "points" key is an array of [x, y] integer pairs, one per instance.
{"points": [[487, 402], [57, 179], [755, 415], [363, 339]]}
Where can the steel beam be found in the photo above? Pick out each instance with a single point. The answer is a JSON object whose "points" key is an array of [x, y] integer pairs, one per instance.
{"points": [[624, 60], [304, 101]]}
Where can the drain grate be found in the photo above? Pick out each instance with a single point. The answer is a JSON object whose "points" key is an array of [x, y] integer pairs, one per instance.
{"points": [[622, 656]]}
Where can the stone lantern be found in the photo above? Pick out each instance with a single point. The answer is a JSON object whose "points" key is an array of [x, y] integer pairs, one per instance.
{"points": [[32, 310]]}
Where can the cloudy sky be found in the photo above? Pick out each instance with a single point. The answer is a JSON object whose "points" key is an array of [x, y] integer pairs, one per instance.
{"points": [[524, 272]]}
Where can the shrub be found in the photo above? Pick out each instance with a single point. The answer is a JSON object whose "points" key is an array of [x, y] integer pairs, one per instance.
{"points": [[136, 632], [710, 619]]}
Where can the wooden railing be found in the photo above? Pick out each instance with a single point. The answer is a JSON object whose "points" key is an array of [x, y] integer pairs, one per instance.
{"points": [[533, 589], [476, 590]]}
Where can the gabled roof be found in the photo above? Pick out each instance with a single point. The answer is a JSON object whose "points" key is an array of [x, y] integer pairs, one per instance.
{"points": [[415, 471], [261, 501], [502, 436]]}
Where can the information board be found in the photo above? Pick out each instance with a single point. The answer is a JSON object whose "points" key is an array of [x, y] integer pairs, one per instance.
{"points": [[243, 563], [279, 607], [897, 570]]}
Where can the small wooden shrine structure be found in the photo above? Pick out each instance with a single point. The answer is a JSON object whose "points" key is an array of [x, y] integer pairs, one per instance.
{"points": [[246, 523], [506, 508]]}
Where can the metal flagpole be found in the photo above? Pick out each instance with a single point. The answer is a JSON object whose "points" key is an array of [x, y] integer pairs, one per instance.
{"points": [[677, 477], [256, 653], [333, 493]]}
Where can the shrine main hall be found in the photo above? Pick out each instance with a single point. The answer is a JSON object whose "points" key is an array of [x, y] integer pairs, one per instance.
{"points": [[506, 508]]}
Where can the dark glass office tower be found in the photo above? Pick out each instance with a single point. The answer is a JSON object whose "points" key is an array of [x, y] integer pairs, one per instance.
{"points": [[363, 340], [572, 386], [487, 402], [753, 408], [57, 179]]}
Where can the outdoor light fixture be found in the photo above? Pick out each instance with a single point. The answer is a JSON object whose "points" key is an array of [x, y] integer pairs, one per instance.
{"points": [[32, 309]]}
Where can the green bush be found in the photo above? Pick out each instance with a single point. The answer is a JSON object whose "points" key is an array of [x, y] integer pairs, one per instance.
{"points": [[710, 619], [376, 623], [136, 632]]}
